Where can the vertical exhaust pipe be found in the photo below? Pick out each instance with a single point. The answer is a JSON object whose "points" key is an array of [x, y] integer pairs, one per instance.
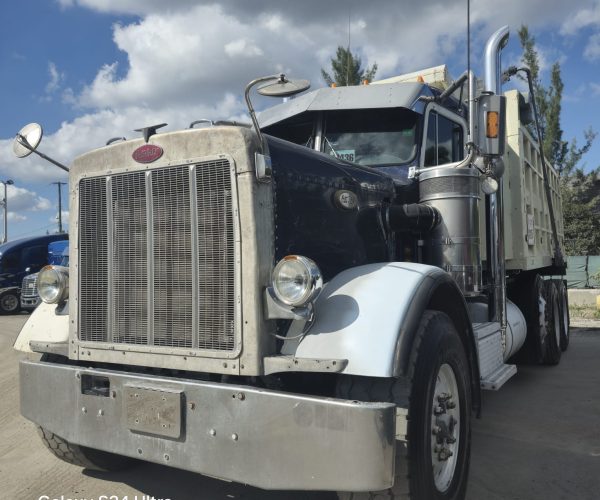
{"points": [[494, 202]]}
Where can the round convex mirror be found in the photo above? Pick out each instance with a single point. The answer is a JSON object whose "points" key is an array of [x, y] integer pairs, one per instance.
{"points": [[32, 133], [283, 87]]}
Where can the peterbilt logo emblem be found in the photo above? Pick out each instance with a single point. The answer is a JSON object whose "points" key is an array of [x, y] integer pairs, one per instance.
{"points": [[147, 153], [346, 200]]}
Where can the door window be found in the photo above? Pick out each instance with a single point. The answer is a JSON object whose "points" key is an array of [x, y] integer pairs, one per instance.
{"points": [[445, 140]]}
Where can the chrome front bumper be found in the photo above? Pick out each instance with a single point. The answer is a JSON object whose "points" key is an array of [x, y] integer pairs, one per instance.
{"points": [[263, 438], [30, 302]]}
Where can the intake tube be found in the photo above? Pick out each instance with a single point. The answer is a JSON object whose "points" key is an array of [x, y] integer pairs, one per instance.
{"points": [[413, 218]]}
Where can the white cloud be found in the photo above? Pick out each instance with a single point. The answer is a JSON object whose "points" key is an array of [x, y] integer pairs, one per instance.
{"points": [[242, 48], [56, 78], [592, 49], [190, 59], [21, 199], [15, 217], [581, 18], [595, 88], [65, 218]]}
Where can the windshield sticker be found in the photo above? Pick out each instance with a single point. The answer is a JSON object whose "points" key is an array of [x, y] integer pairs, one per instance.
{"points": [[346, 154]]}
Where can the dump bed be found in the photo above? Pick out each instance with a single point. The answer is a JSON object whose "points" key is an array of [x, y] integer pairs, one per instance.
{"points": [[527, 227]]}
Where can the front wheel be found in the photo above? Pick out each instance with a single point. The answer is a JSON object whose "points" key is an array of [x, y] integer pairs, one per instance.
{"points": [[10, 303], [433, 461], [83, 456]]}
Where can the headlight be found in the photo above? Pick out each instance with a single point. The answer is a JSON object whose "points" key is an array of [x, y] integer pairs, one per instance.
{"points": [[53, 284], [296, 280]]}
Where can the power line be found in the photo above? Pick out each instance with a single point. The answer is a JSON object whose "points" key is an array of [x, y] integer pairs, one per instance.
{"points": [[33, 230]]}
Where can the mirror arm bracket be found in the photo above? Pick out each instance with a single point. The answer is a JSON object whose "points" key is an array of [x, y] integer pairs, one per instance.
{"points": [[23, 142]]}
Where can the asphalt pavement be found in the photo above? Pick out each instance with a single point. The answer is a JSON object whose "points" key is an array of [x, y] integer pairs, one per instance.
{"points": [[538, 438]]}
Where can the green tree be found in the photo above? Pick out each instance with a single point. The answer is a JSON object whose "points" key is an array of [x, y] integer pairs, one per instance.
{"points": [[347, 69], [580, 191]]}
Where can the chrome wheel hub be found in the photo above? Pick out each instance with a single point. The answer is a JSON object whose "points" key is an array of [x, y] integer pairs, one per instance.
{"points": [[9, 302], [445, 428]]}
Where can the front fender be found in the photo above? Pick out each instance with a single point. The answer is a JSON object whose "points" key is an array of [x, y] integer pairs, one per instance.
{"points": [[44, 325], [369, 315]]}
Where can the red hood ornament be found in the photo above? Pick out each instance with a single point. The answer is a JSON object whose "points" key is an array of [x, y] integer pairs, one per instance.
{"points": [[147, 153]]}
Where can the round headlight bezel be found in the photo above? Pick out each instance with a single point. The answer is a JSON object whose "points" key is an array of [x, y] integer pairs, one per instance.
{"points": [[312, 280], [58, 274]]}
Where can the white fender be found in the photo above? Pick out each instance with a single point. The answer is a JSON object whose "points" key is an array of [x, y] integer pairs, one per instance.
{"points": [[362, 313], [44, 325]]}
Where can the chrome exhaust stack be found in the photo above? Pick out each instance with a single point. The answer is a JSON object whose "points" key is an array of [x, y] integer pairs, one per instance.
{"points": [[494, 202]]}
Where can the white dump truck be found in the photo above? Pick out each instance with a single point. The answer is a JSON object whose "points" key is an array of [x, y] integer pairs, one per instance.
{"points": [[311, 302]]}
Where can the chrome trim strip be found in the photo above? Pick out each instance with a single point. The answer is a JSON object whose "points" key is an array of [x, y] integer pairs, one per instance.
{"points": [[150, 256], [194, 236], [109, 262]]}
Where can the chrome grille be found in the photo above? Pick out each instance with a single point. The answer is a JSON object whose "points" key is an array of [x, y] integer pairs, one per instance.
{"points": [[129, 259], [173, 257], [29, 286], [215, 253], [169, 277], [93, 260]]}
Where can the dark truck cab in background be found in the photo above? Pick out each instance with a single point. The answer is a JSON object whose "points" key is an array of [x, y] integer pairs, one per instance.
{"points": [[19, 258], [58, 255]]}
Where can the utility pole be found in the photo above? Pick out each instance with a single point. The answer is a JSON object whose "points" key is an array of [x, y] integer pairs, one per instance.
{"points": [[6, 182], [59, 184]]}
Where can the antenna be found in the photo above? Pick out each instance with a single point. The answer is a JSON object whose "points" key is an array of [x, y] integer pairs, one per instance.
{"points": [[469, 37], [348, 53], [471, 78]]}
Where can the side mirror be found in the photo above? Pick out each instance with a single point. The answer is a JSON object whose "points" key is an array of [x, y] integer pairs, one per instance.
{"points": [[27, 140], [28, 269]]}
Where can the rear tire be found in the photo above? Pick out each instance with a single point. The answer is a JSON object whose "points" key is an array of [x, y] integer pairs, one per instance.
{"points": [[553, 352], [530, 294], [433, 461], [565, 316], [82, 456]]}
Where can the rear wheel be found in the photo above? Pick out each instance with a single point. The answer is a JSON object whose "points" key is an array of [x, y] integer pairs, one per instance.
{"points": [[553, 323], [565, 317], [530, 294], [433, 461], [82, 456]]}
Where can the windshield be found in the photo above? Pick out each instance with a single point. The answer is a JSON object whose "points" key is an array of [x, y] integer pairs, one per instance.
{"points": [[371, 136]]}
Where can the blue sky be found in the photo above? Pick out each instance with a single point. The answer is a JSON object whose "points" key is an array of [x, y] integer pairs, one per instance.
{"points": [[88, 70]]}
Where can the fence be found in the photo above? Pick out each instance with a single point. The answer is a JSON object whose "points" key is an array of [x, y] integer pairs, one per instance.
{"points": [[583, 271]]}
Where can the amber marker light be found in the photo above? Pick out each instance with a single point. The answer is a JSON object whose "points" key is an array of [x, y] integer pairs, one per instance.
{"points": [[492, 124]]}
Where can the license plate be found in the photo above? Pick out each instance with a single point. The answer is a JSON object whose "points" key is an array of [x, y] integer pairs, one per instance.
{"points": [[153, 411]]}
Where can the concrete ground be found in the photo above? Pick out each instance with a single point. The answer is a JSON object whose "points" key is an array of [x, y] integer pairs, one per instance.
{"points": [[539, 438]]}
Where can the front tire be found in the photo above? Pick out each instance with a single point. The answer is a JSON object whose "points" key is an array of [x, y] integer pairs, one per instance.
{"points": [[83, 456], [433, 462]]}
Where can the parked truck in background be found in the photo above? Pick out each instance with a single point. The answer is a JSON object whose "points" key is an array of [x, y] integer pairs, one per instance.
{"points": [[314, 303], [17, 259], [58, 255]]}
